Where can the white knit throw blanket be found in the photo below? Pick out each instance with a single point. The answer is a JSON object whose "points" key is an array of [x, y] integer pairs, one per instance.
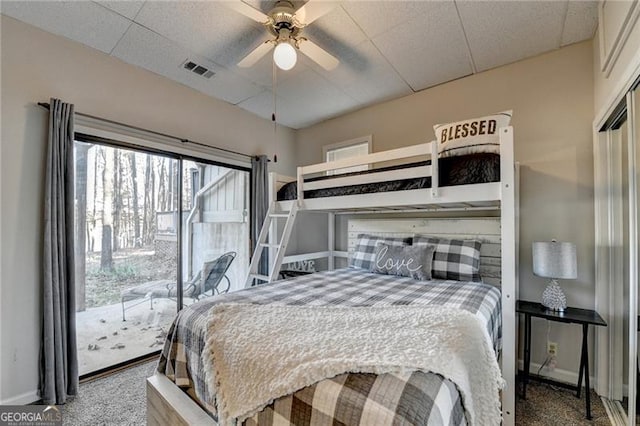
{"points": [[255, 354]]}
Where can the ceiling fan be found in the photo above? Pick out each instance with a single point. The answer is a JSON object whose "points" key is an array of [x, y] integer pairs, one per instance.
{"points": [[286, 24]]}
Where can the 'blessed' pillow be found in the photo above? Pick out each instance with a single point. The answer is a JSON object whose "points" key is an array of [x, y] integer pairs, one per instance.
{"points": [[471, 136], [407, 261]]}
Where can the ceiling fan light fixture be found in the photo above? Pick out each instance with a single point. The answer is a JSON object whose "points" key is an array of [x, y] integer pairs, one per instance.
{"points": [[285, 56]]}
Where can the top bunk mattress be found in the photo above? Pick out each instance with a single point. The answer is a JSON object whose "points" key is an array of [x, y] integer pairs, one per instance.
{"points": [[461, 170]]}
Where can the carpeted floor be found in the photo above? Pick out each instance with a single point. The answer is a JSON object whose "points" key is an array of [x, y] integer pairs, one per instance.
{"points": [[548, 405], [120, 399]]}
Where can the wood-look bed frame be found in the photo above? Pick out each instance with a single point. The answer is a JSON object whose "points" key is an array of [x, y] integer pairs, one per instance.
{"points": [[168, 404]]}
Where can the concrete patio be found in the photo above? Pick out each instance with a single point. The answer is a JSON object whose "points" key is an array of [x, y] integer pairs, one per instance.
{"points": [[104, 339]]}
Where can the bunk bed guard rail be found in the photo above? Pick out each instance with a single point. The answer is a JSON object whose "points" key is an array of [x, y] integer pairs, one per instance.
{"points": [[413, 152]]}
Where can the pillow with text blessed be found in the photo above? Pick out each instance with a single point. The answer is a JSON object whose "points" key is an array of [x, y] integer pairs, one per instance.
{"points": [[407, 261], [471, 136]]}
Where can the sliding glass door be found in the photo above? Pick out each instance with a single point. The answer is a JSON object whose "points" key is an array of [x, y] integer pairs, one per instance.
{"points": [[141, 217], [126, 252]]}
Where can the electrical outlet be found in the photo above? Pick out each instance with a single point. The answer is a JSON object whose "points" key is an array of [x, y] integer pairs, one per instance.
{"points": [[552, 349]]}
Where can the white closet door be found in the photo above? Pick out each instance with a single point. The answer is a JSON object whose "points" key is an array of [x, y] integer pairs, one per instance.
{"points": [[633, 105]]}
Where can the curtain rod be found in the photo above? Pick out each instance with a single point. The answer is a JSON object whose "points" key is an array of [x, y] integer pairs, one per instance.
{"points": [[46, 105]]}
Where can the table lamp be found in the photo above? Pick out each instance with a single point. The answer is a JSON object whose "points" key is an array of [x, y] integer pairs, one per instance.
{"points": [[555, 260]]}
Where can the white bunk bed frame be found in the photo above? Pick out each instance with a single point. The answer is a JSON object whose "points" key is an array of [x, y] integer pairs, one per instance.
{"points": [[167, 402], [500, 196]]}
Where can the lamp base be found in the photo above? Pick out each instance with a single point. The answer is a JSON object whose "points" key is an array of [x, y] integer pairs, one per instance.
{"points": [[553, 297]]}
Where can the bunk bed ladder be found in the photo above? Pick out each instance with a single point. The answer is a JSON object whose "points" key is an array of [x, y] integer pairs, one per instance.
{"points": [[279, 248]]}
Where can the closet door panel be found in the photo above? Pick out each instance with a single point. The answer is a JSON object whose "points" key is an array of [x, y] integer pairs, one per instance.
{"points": [[633, 104]]}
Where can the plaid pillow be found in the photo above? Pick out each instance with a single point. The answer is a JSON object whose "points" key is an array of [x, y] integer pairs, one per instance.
{"points": [[405, 261], [365, 252], [454, 259]]}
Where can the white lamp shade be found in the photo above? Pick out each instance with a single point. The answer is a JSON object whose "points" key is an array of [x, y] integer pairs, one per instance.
{"points": [[285, 56], [553, 259]]}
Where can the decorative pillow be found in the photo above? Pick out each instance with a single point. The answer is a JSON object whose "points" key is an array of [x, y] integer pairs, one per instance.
{"points": [[405, 261], [365, 251], [471, 136], [453, 259]]}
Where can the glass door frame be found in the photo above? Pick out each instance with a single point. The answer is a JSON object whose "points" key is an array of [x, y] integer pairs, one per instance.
{"points": [[180, 158]]}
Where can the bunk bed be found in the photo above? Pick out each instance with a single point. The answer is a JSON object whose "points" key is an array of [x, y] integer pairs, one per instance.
{"points": [[422, 186]]}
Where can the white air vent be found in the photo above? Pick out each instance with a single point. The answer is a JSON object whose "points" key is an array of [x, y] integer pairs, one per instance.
{"points": [[191, 66]]}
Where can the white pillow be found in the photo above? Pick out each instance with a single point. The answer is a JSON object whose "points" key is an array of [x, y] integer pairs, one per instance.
{"points": [[471, 136]]}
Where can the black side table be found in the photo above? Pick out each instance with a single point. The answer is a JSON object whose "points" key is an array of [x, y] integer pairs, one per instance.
{"points": [[585, 317]]}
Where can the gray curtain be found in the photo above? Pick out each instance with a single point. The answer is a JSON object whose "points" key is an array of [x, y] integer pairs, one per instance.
{"points": [[58, 354], [259, 205]]}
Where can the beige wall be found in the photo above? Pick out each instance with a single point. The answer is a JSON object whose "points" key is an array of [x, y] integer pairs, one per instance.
{"points": [[36, 66], [552, 100]]}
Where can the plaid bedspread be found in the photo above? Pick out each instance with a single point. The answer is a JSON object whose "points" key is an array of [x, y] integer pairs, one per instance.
{"points": [[350, 399]]}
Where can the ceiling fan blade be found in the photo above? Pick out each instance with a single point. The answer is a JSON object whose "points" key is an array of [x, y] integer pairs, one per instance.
{"points": [[318, 54], [313, 10], [248, 11], [256, 54]]}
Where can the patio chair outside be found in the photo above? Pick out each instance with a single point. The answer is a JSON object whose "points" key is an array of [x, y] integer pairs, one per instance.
{"points": [[207, 280]]}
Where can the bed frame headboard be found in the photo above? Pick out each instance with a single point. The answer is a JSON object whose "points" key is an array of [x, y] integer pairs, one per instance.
{"points": [[484, 229]]}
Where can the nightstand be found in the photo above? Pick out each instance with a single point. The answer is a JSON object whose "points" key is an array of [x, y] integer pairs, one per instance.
{"points": [[584, 317]]}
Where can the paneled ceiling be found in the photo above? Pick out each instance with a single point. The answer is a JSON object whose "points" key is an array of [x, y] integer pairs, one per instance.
{"points": [[387, 49]]}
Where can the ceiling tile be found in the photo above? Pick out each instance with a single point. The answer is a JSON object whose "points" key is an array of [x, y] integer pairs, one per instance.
{"points": [[314, 89], [507, 31], [335, 32], [262, 104], [208, 28], [581, 21], [309, 98], [366, 76], [303, 100], [301, 114], [84, 22], [428, 50], [155, 53], [376, 17], [231, 87], [128, 9]]}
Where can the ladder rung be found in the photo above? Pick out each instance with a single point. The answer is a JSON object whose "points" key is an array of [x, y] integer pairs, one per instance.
{"points": [[279, 215], [259, 277], [269, 245]]}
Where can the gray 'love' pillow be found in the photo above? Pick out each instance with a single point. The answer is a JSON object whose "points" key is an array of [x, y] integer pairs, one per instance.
{"points": [[365, 251], [405, 261]]}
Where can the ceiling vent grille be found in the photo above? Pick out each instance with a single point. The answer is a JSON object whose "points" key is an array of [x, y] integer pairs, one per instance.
{"points": [[191, 66]]}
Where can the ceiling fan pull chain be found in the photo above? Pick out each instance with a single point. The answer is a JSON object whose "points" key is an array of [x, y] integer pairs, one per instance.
{"points": [[273, 115]]}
